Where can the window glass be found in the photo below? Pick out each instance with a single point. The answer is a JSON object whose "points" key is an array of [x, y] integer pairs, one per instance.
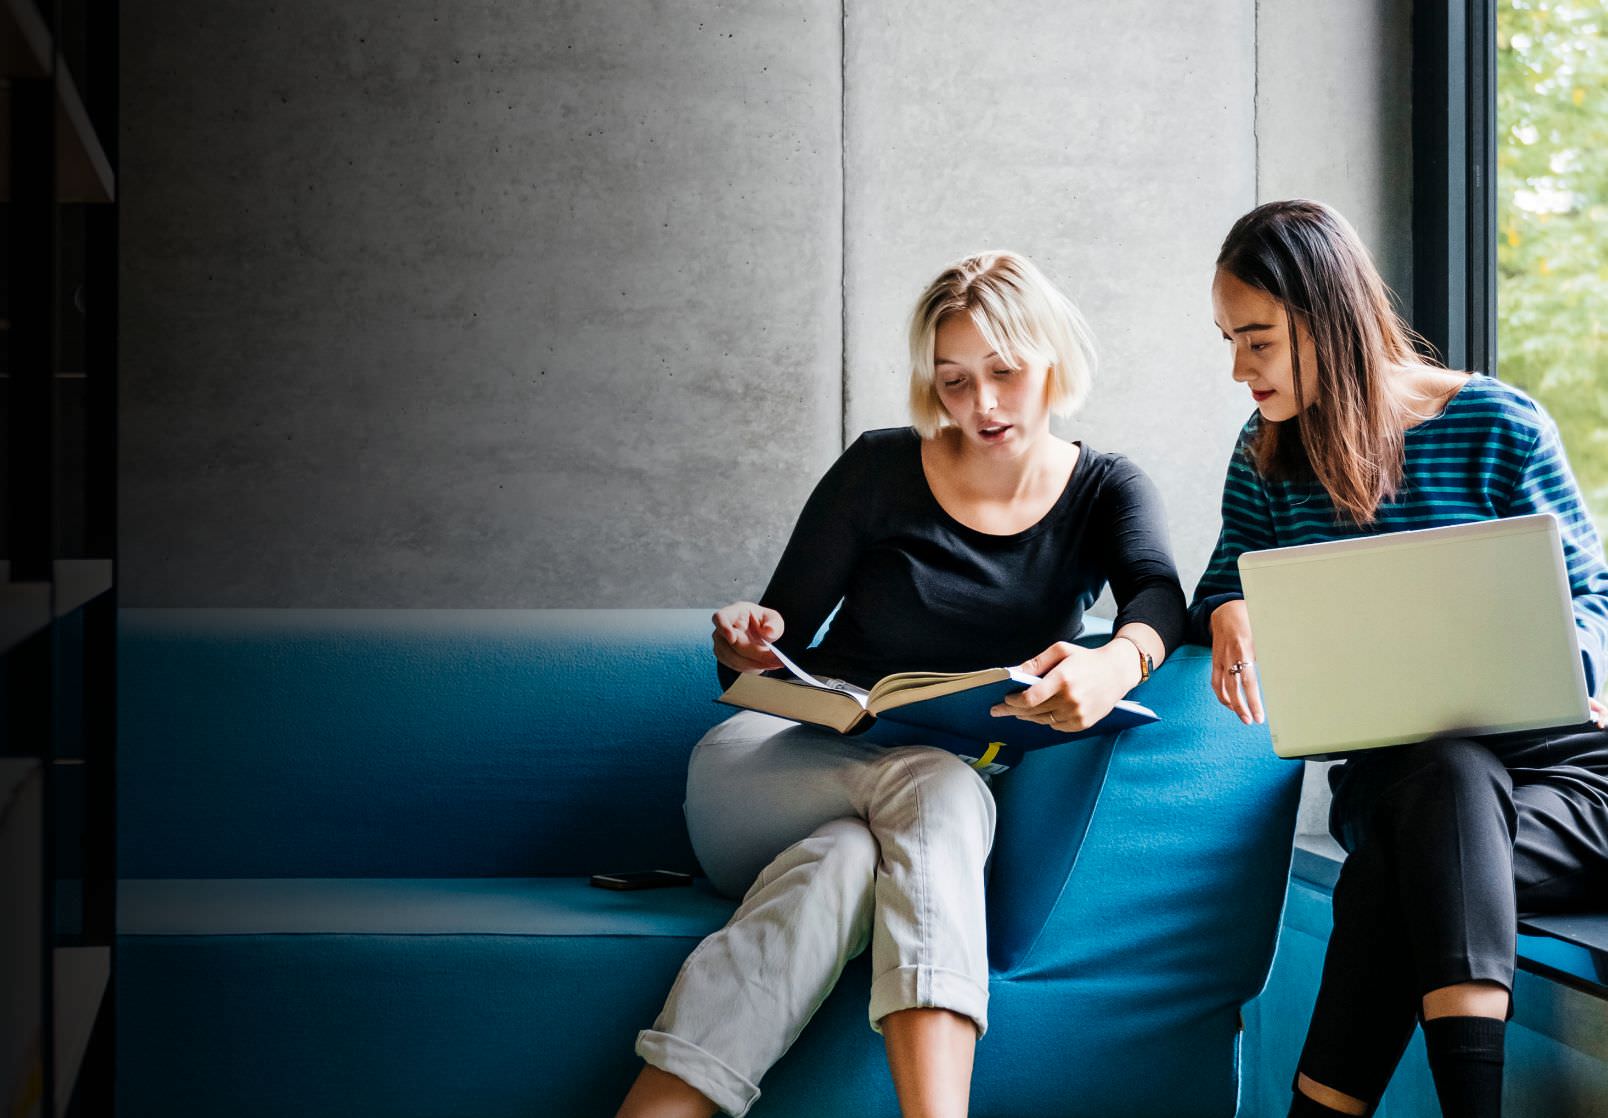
{"points": [[1552, 221]]}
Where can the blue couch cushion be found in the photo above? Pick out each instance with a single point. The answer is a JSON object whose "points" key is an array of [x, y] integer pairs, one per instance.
{"points": [[384, 743], [417, 999], [512, 906], [495, 998]]}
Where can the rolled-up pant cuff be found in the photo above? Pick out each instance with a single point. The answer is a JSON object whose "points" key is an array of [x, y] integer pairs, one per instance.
{"points": [[918, 987], [699, 1069]]}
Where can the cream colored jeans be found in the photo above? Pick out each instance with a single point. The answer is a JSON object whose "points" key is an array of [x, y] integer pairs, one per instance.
{"points": [[832, 844]]}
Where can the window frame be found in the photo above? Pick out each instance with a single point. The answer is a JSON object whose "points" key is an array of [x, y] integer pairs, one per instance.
{"points": [[1454, 180]]}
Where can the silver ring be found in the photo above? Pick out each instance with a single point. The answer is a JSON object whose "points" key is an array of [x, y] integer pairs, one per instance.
{"points": [[1240, 666]]}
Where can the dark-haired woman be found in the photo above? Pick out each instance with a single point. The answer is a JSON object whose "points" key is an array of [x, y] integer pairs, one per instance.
{"points": [[1448, 840]]}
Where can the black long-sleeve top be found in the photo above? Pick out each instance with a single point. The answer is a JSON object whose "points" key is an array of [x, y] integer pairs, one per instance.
{"points": [[921, 591]]}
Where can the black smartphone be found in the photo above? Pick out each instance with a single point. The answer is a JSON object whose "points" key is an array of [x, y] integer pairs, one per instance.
{"points": [[642, 879]]}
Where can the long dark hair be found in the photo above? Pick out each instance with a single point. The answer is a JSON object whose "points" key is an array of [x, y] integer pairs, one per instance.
{"points": [[1350, 440]]}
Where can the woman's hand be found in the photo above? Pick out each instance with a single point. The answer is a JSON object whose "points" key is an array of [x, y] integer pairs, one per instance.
{"points": [[1599, 714], [741, 630], [1231, 648], [1078, 686]]}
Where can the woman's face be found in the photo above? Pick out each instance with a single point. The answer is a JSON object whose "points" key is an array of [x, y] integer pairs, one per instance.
{"points": [[997, 407], [1257, 327]]}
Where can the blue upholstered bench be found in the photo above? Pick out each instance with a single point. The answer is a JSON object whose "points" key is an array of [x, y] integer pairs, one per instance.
{"points": [[354, 848]]}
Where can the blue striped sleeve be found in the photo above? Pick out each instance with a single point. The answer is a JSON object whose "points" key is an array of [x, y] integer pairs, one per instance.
{"points": [[1546, 484], [1247, 526]]}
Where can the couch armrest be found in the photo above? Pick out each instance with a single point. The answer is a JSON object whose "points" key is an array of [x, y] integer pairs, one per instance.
{"points": [[1155, 858]]}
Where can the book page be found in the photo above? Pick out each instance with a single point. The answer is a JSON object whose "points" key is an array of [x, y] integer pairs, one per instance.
{"points": [[914, 687], [858, 694]]}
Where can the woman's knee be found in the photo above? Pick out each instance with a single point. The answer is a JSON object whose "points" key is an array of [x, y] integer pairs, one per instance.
{"points": [[1459, 756], [1419, 789], [847, 852], [1458, 767], [748, 725], [949, 791], [1446, 788], [838, 860]]}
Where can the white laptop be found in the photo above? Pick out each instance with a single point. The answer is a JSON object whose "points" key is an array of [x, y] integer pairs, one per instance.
{"points": [[1405, 636]]}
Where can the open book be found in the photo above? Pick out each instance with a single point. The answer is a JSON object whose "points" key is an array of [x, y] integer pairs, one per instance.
{"points": [[949, 710]]}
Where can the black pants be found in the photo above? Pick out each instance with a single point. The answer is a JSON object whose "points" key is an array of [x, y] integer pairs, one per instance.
{"points": [[1449, 842]]}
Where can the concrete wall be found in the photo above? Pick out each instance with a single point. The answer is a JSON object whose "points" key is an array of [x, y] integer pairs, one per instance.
{"points": [[474, 304], [1334, 117], [1113, 144], [567, 304]]}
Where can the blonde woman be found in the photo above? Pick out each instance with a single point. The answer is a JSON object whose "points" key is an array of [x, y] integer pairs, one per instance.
{"points": [[975, 538]]}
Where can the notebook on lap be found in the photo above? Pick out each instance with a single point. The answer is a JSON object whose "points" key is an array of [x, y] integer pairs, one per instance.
{"points": [[1405, 636]]}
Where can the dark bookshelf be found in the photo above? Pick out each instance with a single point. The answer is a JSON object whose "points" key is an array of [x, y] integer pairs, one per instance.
{"points": [[58, 548]]}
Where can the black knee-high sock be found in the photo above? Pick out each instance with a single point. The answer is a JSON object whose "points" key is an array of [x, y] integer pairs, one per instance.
{"points": [[1465, 1057]]}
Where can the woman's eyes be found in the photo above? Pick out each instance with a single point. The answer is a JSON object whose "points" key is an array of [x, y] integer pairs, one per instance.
{"points": [[956, 382], [1255, 347]]}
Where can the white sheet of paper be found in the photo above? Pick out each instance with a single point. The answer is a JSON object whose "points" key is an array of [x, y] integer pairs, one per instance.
{"points": [[826, 684]]}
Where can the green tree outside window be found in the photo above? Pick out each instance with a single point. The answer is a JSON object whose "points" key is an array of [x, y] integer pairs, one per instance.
{"points": [[1552, 221]]}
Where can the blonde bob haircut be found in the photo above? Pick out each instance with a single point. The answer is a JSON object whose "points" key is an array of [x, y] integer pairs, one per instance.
{"points": [[1022, 316]]}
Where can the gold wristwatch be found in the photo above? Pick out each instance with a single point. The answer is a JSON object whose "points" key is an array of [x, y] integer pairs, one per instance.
{"points": [[1144, 659]]}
